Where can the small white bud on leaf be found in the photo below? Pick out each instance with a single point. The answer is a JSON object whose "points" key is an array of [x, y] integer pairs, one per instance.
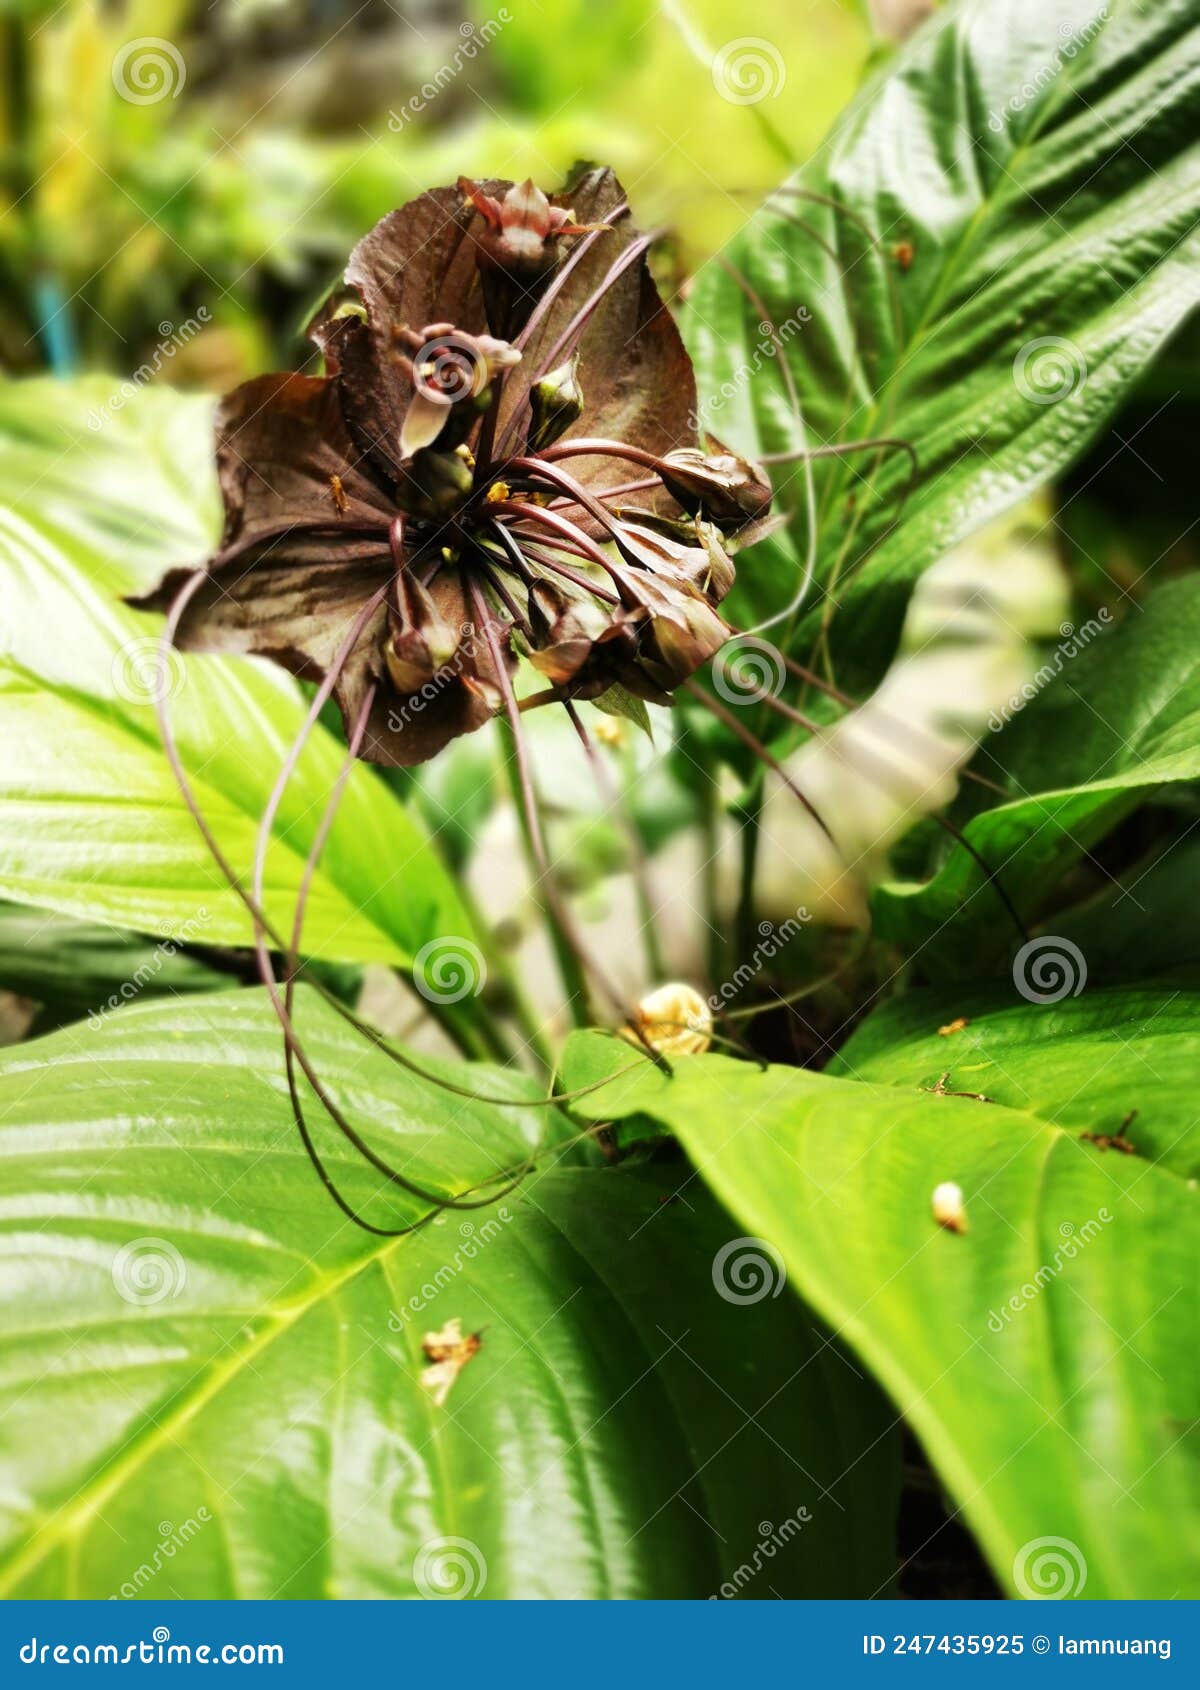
{"points": [[948, 1207], [673, 1019]]}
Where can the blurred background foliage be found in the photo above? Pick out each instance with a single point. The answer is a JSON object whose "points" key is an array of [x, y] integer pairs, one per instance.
{"points": [[182, 180], [218, 175]]}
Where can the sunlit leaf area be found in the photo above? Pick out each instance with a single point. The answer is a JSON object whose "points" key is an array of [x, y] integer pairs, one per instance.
{"points": [[599, 799]]}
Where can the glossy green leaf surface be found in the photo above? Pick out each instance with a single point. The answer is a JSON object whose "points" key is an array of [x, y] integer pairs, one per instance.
{"points": [[1115, 722], [1115, 1061], [1037, 1354], [211, 1382], [992, 244], [91, 822], [75, 968]]}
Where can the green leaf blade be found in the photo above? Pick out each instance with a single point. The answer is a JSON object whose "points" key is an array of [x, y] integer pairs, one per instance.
{"points": [[80, 681], [1040, 1372], [979, 278], [622, 1431]]}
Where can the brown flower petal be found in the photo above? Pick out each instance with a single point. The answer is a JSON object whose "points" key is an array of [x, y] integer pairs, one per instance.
{"points": [[567, 630], [684, 632], [634, 373], [688, 553], [727, 488], [406, 725], [306, 531], [291, 476], [416, 266], [376, 495]]}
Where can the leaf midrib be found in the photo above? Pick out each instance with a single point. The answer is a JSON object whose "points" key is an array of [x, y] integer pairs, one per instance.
{"points": [[68, 1521]]}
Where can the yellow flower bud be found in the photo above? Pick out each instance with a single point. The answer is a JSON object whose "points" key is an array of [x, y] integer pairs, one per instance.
{"points": [[673, 1019]]}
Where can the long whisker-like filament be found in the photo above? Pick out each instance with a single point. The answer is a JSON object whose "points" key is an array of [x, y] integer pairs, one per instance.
{"points": [[810, 486], [567, 484], [819, 684], [638, 863], [760, 751], [289, 1055], [506, 599], [620, 492], [319, 700], [525, 789], [563, 274], [844, 448], [519, 557], [632, 255], [261, 919], [538, 314], [881, 776], [262, 927], [593, 446], [560, 526], [533, 823]]}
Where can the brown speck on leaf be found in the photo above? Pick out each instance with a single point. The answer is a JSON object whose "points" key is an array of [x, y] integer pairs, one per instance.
{"points": [[955, 1026], [941, 1089], [448, 1352], [904, 252], [1110, 1141], [338, 494], [1114, 1141]]}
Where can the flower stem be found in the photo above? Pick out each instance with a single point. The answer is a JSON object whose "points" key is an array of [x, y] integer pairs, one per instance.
{"points": [[569, 966], [744, 922], [517, 1001]]}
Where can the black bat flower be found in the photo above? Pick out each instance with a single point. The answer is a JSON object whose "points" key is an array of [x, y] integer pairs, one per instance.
{"points": [[405, 524]]}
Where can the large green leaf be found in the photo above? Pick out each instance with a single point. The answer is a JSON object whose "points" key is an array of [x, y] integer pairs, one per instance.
{"points": [[1147, 923], [93, 824], [196, 1345], [1003, 234], [1114, 723], [1088, 1063], [74, 968], [1043, 1355]]}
